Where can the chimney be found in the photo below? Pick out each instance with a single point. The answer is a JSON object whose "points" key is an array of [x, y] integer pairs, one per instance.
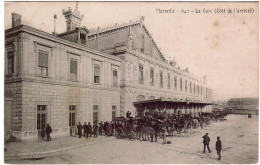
{"points": [[16, 19]]}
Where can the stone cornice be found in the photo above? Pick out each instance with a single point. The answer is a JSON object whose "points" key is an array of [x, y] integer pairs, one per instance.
{"points": [[39, 33]]}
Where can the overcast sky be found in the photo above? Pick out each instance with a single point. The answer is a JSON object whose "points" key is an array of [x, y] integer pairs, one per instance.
{"points": [[222, 46]]}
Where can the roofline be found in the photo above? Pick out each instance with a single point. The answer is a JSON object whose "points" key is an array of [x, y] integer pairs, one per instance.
{"points": [[102, 30], [43, 34]]}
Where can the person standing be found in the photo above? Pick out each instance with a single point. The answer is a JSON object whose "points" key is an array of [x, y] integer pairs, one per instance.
{"points": [[206, 141], [95, 129], [89, 129], [164, 134], [48, 132], [218, 147], [79, 127], [106, 128], [100, 128], [85, 128]]}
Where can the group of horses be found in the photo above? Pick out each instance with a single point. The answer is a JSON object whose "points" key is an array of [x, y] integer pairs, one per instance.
{"points": [[151, 126]]}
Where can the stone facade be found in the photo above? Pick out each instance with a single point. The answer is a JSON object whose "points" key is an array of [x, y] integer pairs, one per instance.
{"points": [[27, 88], [87, 75]]}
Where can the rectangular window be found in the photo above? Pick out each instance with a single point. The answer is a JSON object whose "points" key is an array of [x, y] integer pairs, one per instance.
{"points": [[10, 62], [186, 88], [169, 81], [190, 88], [161, 79], [175, 82], [43, 63], [201, 89], [82, 38], [113, 111], [141, 74], [95, 114], [72, 115], [194, 88], [181, 84], [96, 74], [41, 116], [73, 69], [115, 78], [151, 76], [198, 89]]}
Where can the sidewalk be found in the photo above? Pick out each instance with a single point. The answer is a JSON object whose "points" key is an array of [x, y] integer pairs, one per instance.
{"points": [[41, 148]]}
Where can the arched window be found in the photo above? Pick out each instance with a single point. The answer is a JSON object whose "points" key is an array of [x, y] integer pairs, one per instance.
{"points": [[140, 98], [151, 97]]}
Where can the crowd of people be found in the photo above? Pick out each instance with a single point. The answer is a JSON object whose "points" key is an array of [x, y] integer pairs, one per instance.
{"points": [[87, 130]]}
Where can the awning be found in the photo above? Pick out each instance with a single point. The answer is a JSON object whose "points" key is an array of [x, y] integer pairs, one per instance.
{"points": [[163, 100]]}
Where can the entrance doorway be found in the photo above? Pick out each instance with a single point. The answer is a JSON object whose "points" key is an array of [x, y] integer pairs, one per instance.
{"points": [[41, 118]]}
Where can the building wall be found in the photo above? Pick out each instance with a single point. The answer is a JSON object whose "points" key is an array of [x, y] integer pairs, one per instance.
{"points": [[57, 98], [57, 91], [131, 87]]}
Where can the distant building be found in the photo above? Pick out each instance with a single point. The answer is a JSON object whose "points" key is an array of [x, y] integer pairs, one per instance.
{"points": [[87, 75], [244, 105]]}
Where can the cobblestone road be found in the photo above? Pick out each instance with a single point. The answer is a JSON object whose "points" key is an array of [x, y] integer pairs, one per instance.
{"points": [[239, 136]]}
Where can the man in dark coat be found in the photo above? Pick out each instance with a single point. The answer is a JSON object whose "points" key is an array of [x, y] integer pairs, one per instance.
{"points": [[218, 147], [106, 128], [89, 129], [206, 141], [48, 132], [79, 127], [95, 129], [85, 128], [100, 128]]}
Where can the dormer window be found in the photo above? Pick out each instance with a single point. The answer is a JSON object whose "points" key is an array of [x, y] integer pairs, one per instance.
{"points": [[82, 38]]}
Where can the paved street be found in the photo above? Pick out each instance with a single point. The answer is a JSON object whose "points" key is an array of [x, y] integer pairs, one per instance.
{"points": [[239, 136]]}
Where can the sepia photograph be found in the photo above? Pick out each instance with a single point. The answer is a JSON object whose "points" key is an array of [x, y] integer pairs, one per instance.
{"points": [[131, 82]]}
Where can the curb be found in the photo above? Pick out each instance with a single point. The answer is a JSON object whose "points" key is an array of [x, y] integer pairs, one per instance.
{"points": [[41, 155]]}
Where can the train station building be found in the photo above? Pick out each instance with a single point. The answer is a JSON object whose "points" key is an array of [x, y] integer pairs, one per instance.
{"points": [[90, 75]]}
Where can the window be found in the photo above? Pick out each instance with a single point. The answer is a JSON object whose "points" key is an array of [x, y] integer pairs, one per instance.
{"points": [[181, 84], [198, 89], [190, 88], [96, 74], [43, 63], [114, 78], [201, 89], [113, 111], [175, 82], [151, 76], [72, 115], [194, 89], [161, 79], [73, 69], [186, 88], [169, 81], [95, 113], [82, 38], [141, 74], [10, 62], [41, 116], [142, 44]]}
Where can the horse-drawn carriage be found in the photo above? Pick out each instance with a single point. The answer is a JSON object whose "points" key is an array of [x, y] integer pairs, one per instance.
{"points": [[124, 127]]}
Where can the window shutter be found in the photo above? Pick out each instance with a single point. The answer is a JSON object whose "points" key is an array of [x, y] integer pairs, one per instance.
{"points": [[43, 59], [73, 66], [96, 70]]}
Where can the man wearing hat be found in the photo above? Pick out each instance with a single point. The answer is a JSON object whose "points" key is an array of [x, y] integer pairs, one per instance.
{"points": [[218, 147], [206, 141]]}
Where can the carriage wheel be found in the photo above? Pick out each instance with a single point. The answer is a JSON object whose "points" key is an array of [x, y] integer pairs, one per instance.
{"points": [[120, 133], [132, 136]]}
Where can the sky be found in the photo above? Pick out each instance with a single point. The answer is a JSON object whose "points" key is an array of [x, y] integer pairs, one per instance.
{"points": [[223, 46]]}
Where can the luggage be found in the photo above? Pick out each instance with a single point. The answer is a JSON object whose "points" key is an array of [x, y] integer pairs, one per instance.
{"points": [[169, 142]]}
